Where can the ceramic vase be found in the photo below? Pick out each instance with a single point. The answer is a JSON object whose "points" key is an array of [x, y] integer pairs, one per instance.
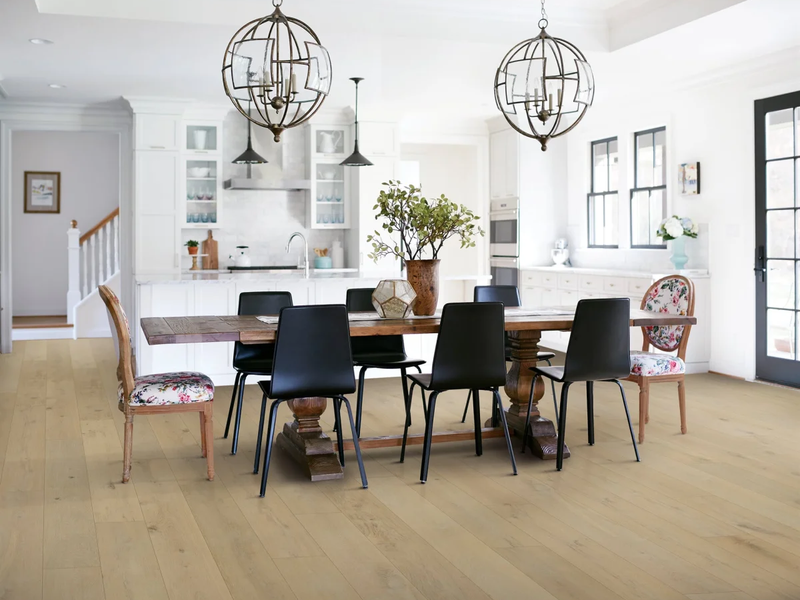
{"points": [[679, 258], [423, 275], [394, 299], [200, 136]]}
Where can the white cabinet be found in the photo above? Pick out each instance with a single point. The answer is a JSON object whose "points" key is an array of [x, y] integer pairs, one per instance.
{"points": [[504, 164], [155, 192], [379, 139], [201, 177], [157, 132], [329, 196]]}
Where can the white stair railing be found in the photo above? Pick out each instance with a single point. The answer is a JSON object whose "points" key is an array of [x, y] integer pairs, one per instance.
{"points": [[92, 258]]}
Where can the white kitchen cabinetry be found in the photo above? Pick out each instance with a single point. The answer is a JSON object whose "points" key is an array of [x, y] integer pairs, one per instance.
{"points": [[329, 196], [549, 287], [157, 132], [504, 164], [155, 194]]}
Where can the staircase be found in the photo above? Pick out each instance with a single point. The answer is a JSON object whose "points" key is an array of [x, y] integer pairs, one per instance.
{"points": [[93, 259]]}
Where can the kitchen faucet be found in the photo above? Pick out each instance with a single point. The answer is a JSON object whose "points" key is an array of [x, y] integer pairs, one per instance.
{"points": [[305, 249]]}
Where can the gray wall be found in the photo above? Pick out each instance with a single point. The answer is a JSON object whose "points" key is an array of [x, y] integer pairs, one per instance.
{"points": [[89, 166]]}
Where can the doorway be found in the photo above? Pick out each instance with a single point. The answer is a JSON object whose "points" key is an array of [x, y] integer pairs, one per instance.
{"points": [[777, 252]]}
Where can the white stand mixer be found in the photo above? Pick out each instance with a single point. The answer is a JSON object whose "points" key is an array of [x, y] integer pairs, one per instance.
{"points": [[560, 253]]}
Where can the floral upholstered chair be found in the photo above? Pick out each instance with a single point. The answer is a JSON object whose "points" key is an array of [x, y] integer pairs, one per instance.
{"points": [[156, 394], [673, 294]]}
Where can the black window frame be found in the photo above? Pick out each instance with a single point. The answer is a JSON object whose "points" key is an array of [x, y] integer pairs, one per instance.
{"points": [[592, 194], [649, 189]]}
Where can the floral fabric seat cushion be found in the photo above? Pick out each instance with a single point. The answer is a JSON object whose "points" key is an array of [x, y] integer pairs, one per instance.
{"points": [[650, 364], [170, 388]]}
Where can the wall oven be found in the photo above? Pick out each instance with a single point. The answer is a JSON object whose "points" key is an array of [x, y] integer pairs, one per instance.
{"points": [[505, 271], [504, 228]]}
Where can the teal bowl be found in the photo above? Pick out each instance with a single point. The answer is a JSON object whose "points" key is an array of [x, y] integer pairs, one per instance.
{"points": [[323, 262]]}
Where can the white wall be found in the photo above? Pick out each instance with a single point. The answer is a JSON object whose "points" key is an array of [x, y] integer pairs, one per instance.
{"points": [[452, 170], [89, 167], [711, 123]]}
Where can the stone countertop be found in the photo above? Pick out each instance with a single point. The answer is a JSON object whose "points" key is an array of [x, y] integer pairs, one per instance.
{"points": [[691, 273], [314, 275]]}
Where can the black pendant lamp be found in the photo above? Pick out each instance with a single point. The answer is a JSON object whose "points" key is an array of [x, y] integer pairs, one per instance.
{"points": [[249, 156], [356, 159]]}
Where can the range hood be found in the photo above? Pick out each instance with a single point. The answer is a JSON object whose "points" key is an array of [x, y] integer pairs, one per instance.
{"points": [[245, 183]]}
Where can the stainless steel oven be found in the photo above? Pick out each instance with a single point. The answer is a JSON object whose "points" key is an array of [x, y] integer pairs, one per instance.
{"points": [[505, 271], [504, 228]]}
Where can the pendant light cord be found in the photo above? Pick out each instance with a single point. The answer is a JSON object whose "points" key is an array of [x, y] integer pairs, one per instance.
{"points": [[356, 127]]}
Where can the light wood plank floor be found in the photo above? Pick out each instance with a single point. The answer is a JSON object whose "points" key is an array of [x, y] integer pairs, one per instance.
{"points": [[712, 515]]}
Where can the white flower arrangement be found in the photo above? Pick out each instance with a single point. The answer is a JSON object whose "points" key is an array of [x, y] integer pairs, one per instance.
{"points": [[675, 226]]}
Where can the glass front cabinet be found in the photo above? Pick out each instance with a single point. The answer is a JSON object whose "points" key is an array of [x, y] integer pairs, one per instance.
{"points": [[329, 206], [201, 176]]}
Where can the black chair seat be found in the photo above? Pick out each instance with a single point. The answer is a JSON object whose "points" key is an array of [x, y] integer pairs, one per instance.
{"points": [[256, 365], [423, 380], [546, 355], [554, 373], [386, 361]]}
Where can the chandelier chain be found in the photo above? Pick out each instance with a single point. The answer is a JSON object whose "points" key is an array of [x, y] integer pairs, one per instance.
{"points": [[543, 22], [277, 3]]}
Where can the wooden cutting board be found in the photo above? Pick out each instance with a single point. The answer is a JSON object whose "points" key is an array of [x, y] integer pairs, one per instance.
{"points": [[210, 248]]}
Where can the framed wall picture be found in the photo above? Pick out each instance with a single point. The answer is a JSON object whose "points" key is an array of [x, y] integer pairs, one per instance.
{"points": [[42, 192], [689, 178]]}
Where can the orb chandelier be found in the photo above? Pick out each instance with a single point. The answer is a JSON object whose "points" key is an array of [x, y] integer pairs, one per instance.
{"points": [[277, 63], [544, 86]]}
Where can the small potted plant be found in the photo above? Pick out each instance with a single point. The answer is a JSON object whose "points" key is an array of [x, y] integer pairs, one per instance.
{"points": [[192, 246], [419, 227], [677, 229]]}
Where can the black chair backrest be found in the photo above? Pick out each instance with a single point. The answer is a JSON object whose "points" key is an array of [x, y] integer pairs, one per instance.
{"points": [[312, 353], [259, 303], [470, 351], [599, 345], [507, 294], [360, 300]]}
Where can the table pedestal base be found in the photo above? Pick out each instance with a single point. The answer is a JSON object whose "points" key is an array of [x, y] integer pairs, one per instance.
{"points": [[304, 440], [542, 440]]}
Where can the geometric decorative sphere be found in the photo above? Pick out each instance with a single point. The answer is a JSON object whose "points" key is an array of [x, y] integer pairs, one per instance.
{"points": [[544, 86], [394, 299], [278, 64]]}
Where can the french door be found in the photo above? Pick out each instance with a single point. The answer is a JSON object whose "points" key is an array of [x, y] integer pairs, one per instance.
{"points": [[777, 257]]}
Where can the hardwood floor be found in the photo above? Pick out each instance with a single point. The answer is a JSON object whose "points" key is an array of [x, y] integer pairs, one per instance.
{"points": [[39, 322], [712, 515]]}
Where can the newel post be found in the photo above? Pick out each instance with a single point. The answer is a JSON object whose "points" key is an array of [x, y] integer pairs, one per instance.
{"points": [[74, 266]]}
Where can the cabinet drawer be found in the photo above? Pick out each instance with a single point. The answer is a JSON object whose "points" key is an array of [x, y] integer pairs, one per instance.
{"points": [[567, 298], [549, 279], [590, 283], [549, 297], [531, 278], [638, 286], [567, 282], [615, 285]]}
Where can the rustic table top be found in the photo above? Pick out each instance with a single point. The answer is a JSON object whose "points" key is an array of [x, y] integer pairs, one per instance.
{"points": [[250, 330]]}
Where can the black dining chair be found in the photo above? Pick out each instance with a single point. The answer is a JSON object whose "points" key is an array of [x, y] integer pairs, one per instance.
{"points": [[509, 296], [312, 359], [376, 352], [599, 350], [252, 359], [469, 355]]}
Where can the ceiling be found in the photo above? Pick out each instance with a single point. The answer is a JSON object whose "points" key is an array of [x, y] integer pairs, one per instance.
{"points": [[421, 56]]}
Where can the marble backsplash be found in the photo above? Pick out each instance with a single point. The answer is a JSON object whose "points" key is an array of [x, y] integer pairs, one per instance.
{"points": [[264, 220]]}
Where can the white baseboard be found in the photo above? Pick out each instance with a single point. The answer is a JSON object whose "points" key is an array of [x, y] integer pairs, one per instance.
{"points": [[42, 333]]}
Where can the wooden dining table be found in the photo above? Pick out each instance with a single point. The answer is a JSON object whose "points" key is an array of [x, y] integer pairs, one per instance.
{"points": [[313, 449]]}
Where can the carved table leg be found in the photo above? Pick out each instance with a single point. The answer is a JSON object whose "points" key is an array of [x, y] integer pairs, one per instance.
{"points": [[524, 350], [304, 440]]}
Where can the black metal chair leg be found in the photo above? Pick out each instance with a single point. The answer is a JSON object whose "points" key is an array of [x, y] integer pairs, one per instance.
{"points": [[360, 402], [404, 380], [553, 389], [466, 407], [590, 410], [237, 424], [260, 432], [476, 415], [503, 420], [233, 400], [337, 415], [426, 448], [273, 415], [562, 425], [356, 444], [528, 416], [628, 416], [408, 420], [424, 405]]}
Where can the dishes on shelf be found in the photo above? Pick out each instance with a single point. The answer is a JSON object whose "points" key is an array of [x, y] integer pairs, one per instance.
{"points": [[199, 171]]}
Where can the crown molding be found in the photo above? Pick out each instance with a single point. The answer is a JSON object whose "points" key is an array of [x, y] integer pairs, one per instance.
{"points": [[57, 113]]}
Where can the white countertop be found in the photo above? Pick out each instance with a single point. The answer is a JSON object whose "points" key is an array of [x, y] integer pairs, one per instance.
{"points": [[693, 273], [225, 277]]}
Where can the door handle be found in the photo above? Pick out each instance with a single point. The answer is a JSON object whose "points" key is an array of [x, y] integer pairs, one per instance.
{"points": [[760, 269]]}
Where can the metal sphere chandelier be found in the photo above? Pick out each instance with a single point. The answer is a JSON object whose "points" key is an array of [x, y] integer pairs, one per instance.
{"points": [[277, 63], [544, 86]]}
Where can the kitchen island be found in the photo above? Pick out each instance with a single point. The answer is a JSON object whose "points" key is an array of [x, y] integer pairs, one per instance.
{"points": [[215, 293]]}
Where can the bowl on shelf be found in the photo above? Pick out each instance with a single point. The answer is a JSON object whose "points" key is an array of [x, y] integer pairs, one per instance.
{"points": [[323, 262], [199, 171]]}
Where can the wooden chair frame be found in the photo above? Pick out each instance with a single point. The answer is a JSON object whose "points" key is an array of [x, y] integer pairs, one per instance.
{"points": [[125, 375], [644, 382]]}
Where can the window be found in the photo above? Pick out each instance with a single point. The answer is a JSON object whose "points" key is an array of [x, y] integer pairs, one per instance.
{"points": [[649, 193], [603, 199]]}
